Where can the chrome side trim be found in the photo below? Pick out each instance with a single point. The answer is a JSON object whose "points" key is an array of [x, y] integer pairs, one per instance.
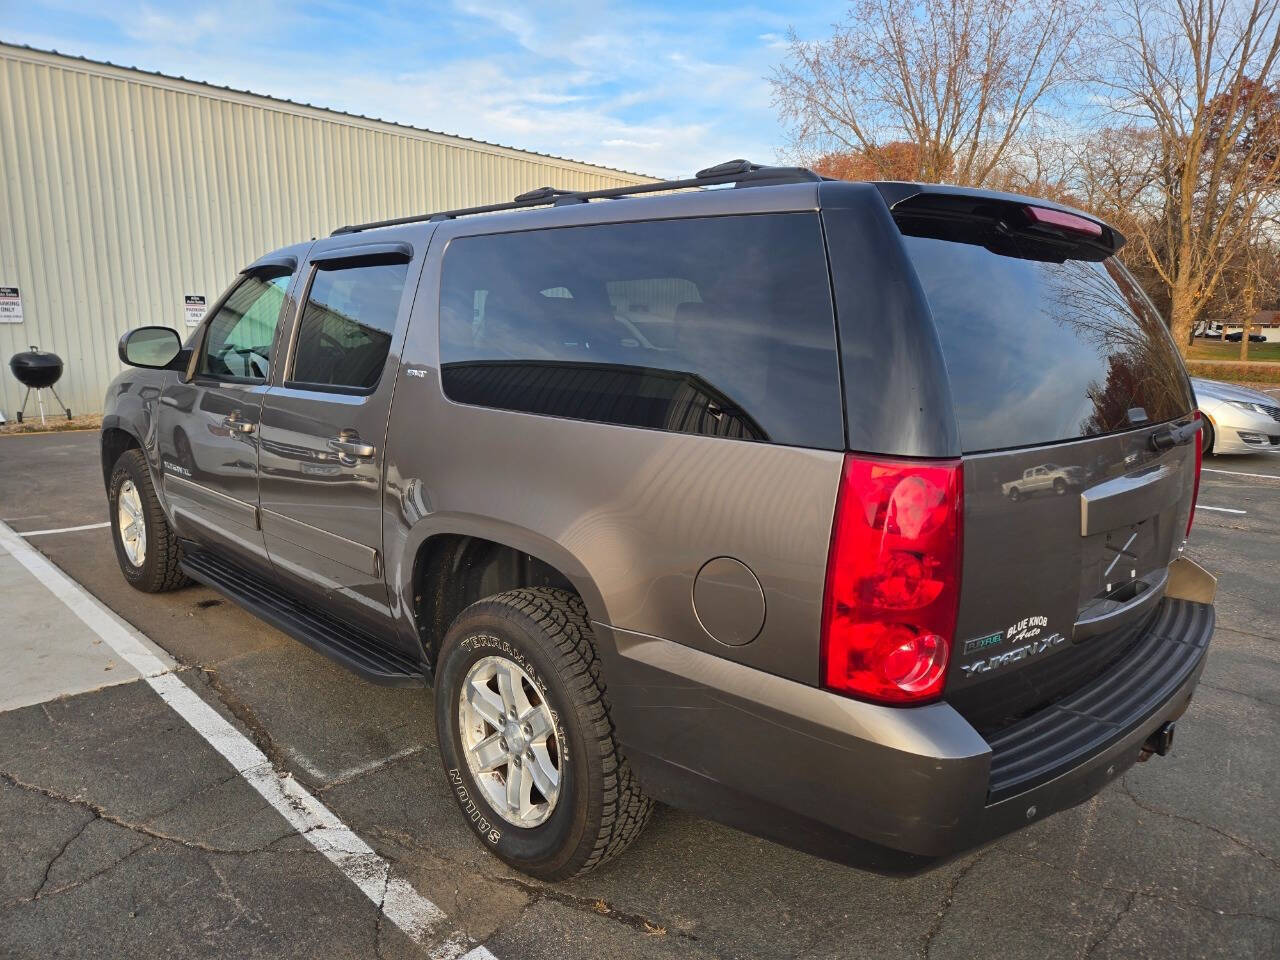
{"points": [[212, 500], [357, 556]]}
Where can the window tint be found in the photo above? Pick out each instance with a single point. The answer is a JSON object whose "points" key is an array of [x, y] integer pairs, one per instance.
{"points": [[720, 326], [347, 324], [1040, 351], [238, 343]]}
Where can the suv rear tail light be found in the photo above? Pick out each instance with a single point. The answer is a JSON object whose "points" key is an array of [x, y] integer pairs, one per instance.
{"points": [[893, 579], [1195, 490]]}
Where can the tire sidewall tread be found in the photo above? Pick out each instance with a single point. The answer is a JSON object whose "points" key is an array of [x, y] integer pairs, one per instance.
{"points": [[161, 569], [600, 809]]}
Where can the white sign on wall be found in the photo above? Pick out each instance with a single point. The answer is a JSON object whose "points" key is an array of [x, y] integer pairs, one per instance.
{"points": [[10, 305], [194, 308]]}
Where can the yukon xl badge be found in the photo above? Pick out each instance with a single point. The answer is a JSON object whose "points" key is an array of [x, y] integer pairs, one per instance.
{"points": [[999, 660]]}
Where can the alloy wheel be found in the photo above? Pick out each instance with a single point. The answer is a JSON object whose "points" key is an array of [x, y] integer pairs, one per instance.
{"points": [[131, 523], [510, 741]]}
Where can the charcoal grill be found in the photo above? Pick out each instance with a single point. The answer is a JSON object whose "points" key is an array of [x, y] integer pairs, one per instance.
{"points": [[38, 370]]}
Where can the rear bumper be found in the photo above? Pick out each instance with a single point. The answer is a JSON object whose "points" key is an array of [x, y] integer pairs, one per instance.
{"points": [[887, 788]]}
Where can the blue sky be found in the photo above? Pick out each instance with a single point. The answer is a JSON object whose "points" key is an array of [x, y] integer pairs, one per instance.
{"points": [[661, 88]]}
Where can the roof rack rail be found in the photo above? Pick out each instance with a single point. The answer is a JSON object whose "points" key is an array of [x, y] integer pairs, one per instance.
{"points": [[741, 173]]}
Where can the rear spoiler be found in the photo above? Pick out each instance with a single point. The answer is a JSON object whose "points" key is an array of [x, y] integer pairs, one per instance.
{"points": [[1060, 226]]}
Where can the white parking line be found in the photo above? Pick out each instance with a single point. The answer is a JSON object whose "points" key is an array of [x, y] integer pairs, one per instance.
{"points": [[86, 526], [1201, 506], [417, 916], [1241, 473]]}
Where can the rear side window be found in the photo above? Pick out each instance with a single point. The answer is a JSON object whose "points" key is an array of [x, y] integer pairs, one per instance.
{"points": [[346, 327], [1040, 350], [715, 326]]}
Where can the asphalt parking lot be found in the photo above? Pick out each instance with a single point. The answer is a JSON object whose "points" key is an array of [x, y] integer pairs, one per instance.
{"points": [[125, 833]]}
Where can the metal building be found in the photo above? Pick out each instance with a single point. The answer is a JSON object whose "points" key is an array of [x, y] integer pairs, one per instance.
{"points": [[129, 195]]}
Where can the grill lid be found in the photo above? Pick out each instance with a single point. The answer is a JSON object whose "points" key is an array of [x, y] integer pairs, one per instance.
{"points": [[36, 368]]}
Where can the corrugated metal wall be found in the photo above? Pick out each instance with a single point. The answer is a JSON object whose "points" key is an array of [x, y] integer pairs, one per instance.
{"points": [[123, 192]]}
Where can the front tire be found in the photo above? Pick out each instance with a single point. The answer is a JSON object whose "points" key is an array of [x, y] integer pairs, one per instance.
{"points": [[545, 789], [146, 549], [1207, 438]]}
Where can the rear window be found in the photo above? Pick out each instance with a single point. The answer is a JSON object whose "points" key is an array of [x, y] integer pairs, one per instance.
{"points": [[715, 326], [1040, 351]]}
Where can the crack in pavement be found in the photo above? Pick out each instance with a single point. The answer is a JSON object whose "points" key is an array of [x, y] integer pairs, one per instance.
{"points": [[100, 813], [1218, 628], [407, 754], [79, 882], [1147, 894], [948, 902], [1240, 693], [596, 906], [1156, 811], [532, 889], [44, 880], [1130, 900], [258, 731]]}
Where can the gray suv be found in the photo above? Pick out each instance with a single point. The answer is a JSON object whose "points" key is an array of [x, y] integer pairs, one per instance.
{"points": [[697, 492]]}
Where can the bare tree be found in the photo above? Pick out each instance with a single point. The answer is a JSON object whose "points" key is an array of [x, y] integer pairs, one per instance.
{"points": [[957, 79], [1197, 79], [1259, 279]]}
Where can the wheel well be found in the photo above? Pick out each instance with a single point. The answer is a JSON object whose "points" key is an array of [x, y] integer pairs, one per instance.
{"points": [[115, 442], [452, 571]]}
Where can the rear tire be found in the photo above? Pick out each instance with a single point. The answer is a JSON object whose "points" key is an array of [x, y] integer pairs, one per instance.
{"points": [[598, 809], [153, 568], [1207, 438]]}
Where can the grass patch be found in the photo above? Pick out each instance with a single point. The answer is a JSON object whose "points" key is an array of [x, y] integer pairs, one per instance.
{"points": [[53, 423], [1213, 350], [1265, 374]]}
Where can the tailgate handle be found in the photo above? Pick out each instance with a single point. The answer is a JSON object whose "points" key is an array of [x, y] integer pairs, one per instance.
{"points": [[1123, 614], [1126, 500]]}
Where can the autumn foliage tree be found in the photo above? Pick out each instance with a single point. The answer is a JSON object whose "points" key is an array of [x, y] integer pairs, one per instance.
{"points": [[893, 161]]}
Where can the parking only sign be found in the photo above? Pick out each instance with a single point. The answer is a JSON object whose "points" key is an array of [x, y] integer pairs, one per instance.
{"points": [[10, 305], [194, 307]]}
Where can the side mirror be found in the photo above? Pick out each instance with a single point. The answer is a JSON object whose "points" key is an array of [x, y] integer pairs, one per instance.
{"points": [[154, 348]]}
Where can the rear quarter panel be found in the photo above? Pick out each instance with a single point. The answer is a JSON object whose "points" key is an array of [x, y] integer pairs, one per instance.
{"points": [[628, 515]]}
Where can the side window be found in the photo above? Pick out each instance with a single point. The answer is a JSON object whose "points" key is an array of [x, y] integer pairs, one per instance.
{"points": [[648, 306], [721, 326], [346, 326], [238, 341]]}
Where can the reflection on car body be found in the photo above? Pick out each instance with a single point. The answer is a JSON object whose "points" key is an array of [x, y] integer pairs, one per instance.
{"points": [[1046, 478]]}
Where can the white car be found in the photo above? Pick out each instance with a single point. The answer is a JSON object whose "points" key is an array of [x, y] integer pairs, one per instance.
{"points": [[1237, 419]]}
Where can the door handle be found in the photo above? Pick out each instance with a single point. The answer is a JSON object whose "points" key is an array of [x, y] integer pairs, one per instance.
{"points": [[350, 448], [236, 425]]}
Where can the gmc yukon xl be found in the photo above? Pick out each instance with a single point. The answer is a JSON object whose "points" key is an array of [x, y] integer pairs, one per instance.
{"points": [[701, 492]]}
